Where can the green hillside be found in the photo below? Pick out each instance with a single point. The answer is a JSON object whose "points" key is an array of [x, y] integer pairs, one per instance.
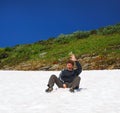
{"points": [[95, 49]]}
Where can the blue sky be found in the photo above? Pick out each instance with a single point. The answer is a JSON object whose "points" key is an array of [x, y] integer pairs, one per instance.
{"points": [[28, 21]]}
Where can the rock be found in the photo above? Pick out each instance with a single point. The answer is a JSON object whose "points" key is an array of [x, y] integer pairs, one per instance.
{"points": [[8, 67], [87, 59], [54, 67], [86, 66], [42, 55], [46, 68], [111, 67], [85, 55]]}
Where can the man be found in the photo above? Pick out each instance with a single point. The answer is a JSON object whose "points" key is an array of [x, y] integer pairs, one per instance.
{"points": [[68, 78]]}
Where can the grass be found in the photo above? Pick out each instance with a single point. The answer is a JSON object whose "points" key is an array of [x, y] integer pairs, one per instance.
{"points": [[94, 44]]}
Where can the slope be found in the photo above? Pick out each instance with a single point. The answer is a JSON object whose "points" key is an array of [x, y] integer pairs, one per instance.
{"points": [[23, 92]]}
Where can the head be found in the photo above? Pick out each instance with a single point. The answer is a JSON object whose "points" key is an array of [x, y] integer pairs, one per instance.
{"points": [[70, 65]]}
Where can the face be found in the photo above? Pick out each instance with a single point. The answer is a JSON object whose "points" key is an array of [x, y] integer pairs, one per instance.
{"points": [[69, 66]]}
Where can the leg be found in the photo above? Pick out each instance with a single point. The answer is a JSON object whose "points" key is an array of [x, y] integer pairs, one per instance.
{"points": [[75, 83], [53, 79]]}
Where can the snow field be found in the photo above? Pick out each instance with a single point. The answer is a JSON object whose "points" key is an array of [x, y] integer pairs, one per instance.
{"points": [[24, 92]]}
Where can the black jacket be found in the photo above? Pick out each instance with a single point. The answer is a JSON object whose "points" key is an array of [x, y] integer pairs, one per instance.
{"points": [[68, 76]]}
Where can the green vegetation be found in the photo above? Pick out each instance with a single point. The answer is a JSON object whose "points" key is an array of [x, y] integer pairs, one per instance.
{"points": [[103, 41]]}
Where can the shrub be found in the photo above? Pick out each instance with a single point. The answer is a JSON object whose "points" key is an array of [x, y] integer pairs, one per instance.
{"points": [[81, 34], [3, 55], [63, 39], [92, 32], [109, 29]]}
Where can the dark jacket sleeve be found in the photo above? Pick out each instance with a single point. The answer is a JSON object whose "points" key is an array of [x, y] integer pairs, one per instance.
{"points": [[61, 75], [79, 68]]}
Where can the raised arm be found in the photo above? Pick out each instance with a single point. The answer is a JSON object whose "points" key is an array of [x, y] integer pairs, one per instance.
{"points": [[79, 67]]}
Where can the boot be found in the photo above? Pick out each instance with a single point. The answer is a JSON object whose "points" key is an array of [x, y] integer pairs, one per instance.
{"points": [[71, 90], [48, 90]]}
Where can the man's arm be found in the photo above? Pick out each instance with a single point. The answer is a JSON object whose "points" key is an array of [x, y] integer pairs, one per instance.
{"points": [[60, 76], [79, 67]]}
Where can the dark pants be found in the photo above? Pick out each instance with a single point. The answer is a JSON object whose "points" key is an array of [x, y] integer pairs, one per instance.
{"points": [[74, 84]]}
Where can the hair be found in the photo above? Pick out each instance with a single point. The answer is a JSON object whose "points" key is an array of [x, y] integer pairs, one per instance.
{"points": [[71, 62]]}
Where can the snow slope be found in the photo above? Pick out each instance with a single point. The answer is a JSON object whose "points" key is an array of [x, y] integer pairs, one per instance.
{"points": [[23, 92]]}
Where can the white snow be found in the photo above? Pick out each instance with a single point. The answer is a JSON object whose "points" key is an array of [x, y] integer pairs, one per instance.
{"points": [[24, 92]]}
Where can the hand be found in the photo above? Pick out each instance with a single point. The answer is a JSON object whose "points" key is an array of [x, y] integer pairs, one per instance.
{"points": [[73, 58], [64, 86]]}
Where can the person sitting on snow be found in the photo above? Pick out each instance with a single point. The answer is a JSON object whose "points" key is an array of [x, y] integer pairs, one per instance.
{"points": [[68, 78]]}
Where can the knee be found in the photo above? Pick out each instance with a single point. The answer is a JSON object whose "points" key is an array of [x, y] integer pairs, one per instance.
{"points": [[78, 78], [53, 76]]}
